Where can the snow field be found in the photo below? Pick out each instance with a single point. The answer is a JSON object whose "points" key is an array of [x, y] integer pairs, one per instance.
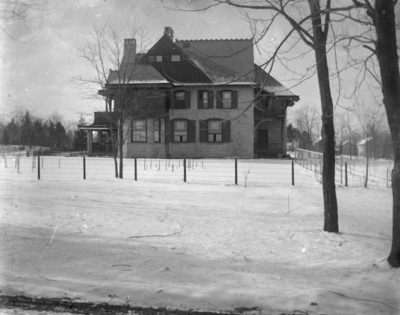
{"points": [[196, 245], [250, 172], [379, 171]]}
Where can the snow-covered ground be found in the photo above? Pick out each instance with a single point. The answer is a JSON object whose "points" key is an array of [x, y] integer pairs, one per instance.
{"points": [[379, 171], [206, 244], [251, 172]]}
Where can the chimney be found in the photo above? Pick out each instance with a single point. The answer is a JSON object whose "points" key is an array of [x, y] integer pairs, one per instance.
{"points": [[129, 51], [169, 32]]}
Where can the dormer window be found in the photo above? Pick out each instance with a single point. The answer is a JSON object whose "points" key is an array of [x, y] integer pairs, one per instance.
{"points": [[176, 58], [158, 58]]}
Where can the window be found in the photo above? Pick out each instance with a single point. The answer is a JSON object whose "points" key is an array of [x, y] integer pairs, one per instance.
{"points": [[227, 99], [167, 58], [176, 58], [138, 131], [180, 131], [203, 99], [95, 135], [152, 59], [179, 96], [158, 58], [214, 131], [156, 126], [181, 100]]}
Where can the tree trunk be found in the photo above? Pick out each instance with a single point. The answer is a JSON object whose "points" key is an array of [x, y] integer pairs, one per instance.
{"points": [[121, 147], [328, 131], [386, 52], [114, 149], [366, 169]]}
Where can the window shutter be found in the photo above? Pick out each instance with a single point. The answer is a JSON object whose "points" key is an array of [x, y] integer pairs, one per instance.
{"points": [[191, 125], [172, 99], [234, 99], [226, 131], [187, 99], [200, 103], [219, 99], [203, 130], [169, 131], [211, 99]]}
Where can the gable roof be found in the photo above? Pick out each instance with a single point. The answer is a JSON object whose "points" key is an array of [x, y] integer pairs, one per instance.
{"points": [[183, 71], [224, 60], [269, 84], [202, 62], [364, 141], [136, 74]]}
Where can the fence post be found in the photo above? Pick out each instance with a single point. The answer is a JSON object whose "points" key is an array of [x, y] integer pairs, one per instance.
{"points": [[236, 169], [292, 173], [184, 169], [38, 169], [84, 167], [341, 170], [315, 164], [136, 169], [387, 176], [345, 173]]}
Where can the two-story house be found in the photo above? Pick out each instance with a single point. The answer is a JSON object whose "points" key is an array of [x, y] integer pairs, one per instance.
{"points": [[194, 98]]}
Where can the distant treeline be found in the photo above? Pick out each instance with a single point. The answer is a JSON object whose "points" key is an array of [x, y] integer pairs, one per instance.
{"points": [[24, 130]]}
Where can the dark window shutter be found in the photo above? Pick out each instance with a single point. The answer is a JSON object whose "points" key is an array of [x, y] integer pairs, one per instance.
{"points": [[187, 99], [169, 131], [200, 103], [234, 99], [203, 130], [211, 99], [191, 126], [172, 99], [226, 131], [219, 99], [167, 100]]}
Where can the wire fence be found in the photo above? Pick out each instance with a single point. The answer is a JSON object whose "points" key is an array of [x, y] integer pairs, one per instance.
{"points": [[220, 171], [349, 170]]}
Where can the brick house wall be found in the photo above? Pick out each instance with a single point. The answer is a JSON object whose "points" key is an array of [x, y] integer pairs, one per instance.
{"points": [[241, 129]]}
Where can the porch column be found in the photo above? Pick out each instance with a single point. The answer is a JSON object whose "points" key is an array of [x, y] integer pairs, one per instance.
{"points": [[284, 136], [89, 141]]}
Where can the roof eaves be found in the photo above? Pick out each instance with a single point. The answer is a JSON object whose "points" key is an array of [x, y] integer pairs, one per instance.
{"points": [[214, 40]]}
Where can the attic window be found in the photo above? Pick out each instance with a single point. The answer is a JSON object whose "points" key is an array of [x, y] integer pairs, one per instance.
{"points": [[158, 58], [176, 58], [152, 59]]}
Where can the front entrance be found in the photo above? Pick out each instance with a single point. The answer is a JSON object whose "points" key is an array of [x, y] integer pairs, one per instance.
{"points": [[263, 139]]}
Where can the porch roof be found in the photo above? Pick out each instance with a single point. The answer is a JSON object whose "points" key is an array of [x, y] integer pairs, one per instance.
{"points": [[102, 121]]}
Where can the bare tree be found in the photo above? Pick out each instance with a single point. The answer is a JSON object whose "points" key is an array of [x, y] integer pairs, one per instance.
{"points": [[307, 118], [108, 47], [14, 13], [367, 23], [310, 23], [349, 131], [370, 118]]}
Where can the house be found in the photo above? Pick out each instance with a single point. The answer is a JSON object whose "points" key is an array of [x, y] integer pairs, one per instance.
{"points": [[349, 148], [193, 98], [364, 146]]}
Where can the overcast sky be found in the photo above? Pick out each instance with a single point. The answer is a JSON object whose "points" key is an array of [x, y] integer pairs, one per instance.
{"points": [[37, 69]]}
